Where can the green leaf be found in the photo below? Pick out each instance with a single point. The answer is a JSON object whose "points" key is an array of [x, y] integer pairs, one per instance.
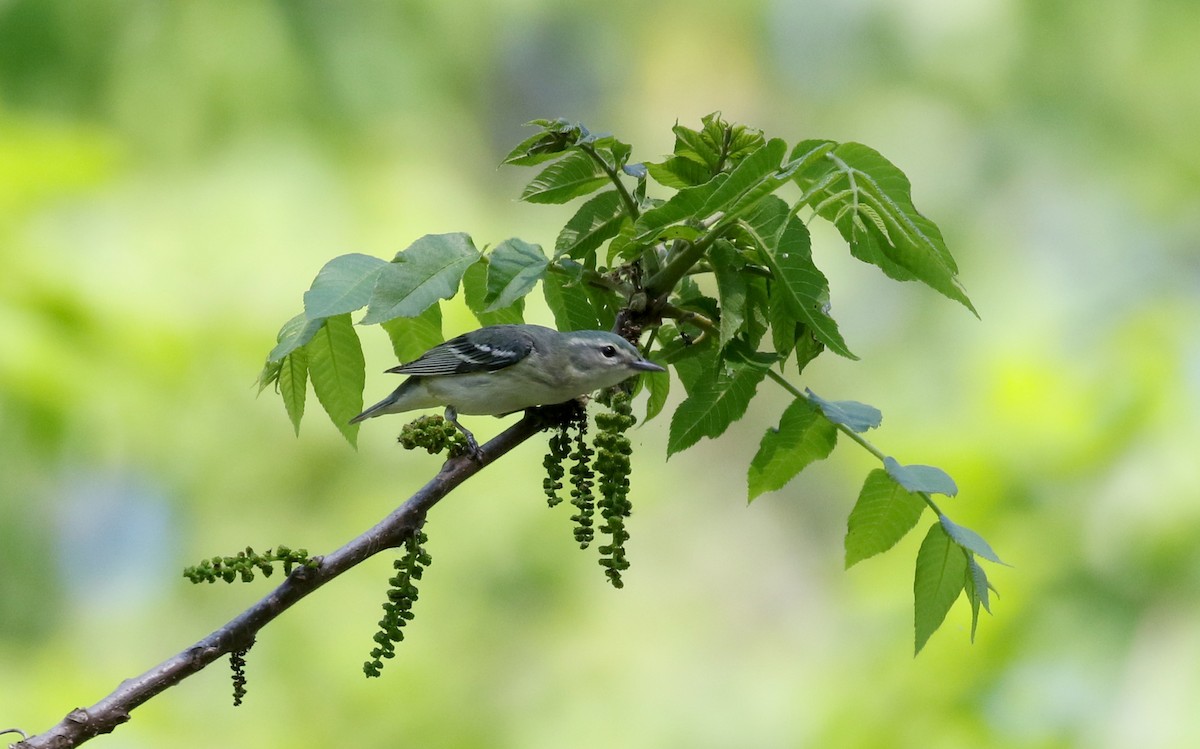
{"points": [[786, 249], [294, 334], [570, 303], [555, 138], [269, 375], [741, 353], [568, 178], [413, 336], [883, 514], [869, 200], [855, 416], [688, 296], [597, 220], [940, 576], [514, 268], [732, 288], [678, 172], [343, 285], [786, 328], [758, 310], [802, 437], [808, 159], [918, 478], [977, 587], [338, 373], [429, 270], [293, 385], [690, 360], [969, 540], [715, 401], [474, 283], [807, 348], [685, 204], [717, 145], [755, 177], [658, 387]]}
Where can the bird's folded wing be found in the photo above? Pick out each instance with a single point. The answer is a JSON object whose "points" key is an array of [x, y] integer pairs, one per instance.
{"points": [[478, 351]]}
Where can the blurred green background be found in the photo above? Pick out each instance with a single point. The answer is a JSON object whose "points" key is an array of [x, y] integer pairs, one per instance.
{"points": [[173, 174]]}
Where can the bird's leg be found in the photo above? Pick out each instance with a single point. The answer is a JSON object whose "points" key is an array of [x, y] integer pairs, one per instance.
{"points": [[472, 445]]}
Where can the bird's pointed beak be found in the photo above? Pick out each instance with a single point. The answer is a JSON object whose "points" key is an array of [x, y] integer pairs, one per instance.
{"points": [[646, 365]]}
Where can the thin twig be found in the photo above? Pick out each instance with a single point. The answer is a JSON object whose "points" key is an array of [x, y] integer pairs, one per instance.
{"points": [[82, 724]]}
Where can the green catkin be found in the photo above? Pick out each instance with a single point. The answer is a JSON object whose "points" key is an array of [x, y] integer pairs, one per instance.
{"points": [[237, 663], [556, 455], [582, 496], [612, 464], [243, 565], [402, 594], [433, 434]]}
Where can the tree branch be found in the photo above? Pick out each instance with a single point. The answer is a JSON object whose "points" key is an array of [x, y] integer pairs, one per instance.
{"points": [[82, 724]]}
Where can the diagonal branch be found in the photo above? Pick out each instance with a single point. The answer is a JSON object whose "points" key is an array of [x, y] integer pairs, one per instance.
{"points": [[82, 724]]}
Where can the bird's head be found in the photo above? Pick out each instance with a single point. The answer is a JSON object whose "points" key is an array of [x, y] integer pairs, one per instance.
{"points": [[603, 359]]}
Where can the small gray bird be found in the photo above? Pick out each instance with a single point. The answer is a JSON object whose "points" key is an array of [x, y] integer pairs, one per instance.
{"points": [[505, 368]]}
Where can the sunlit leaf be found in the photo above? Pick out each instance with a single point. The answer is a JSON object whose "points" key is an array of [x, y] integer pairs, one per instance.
{"points": [[427, 271], [940, 576], [344, 284], [514, 268], [884, 513], [918, 478], [801, 438], [338, 372]]}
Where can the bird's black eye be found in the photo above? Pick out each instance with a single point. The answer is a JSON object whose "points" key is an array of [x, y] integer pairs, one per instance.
{"points": [[608, 351]]}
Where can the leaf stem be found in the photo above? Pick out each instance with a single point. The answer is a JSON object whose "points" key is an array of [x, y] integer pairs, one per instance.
{"points": [[853, 435], [662, 282], [630, 204], [595, 278], [687, 316]]}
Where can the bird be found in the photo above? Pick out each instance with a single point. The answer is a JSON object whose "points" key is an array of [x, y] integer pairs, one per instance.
{"points": [[501, 369]]}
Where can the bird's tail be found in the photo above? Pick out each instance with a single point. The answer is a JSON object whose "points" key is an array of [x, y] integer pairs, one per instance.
{"points": [[379, 408]]}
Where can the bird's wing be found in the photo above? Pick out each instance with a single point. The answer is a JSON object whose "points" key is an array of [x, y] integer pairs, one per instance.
{"points": [[483, 350]]}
